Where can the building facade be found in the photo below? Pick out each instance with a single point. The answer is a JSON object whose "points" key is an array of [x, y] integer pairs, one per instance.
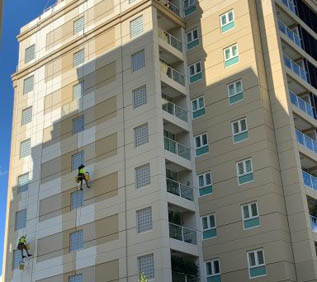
{"points": [[196, 122]]}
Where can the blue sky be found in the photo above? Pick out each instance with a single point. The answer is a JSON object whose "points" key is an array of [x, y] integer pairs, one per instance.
{"points": [[16, 14]]}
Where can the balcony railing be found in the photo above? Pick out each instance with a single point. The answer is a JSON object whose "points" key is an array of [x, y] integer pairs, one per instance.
{"points": [[174, 110], [306, 141], [290, 34], [313, 221], [310, 180], [296, 68], [290, 5], [176, 148], [182, 234], [179, 189], [172, 6], [181, 277], [302, 104], [171, 40], [172, 73]]}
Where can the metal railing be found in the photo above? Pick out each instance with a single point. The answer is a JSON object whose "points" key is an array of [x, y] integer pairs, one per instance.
{"points": [[182, 234], [171, 40], [289, 33], [290, 5], [176, 148], [302, 104], [182, 277], [313, 221], [306, 141], [310, 180], [174, 110], [179, 189], [296, 68], [172, 73], [172, 6]]}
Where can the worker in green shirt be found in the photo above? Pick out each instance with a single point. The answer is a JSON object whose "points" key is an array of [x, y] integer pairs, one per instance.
{"points": [[23, 246], [82, 176]]}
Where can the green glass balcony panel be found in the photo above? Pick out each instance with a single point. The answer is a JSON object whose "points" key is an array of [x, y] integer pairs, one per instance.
{"points": [[258, 271], [232, 61], [211, 233], [236, 98], [202, 150], [199, 113], [240, 137], [245, 178], [205, 190], [216, 278], [227, 27], [170, 145], [188, 11], [249, 223], [196, 77], [193, 44]]}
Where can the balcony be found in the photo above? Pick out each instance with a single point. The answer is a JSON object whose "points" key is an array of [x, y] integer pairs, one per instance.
{"points": [[172, 73], [289, 33], [301, 104], [296, 68], [182, 277], [313, 222], [174, 110], [184, 267], [306, 141], [290, 5], [171, 40], [180, 189], [310, 181], [182, 233], [176, 148]]}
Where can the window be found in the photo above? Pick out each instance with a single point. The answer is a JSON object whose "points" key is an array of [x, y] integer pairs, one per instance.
{"points": [[235, 92], [139, 96], [189, 7], [23, 183], [77, 199], [256, 262], [76, 240], [78, 90], [205, 184], [29, 54], [77, 160], [250, 215], [79, 58], [209, 226], [201, 144], [78, 124], [75, 278], [28, 84], [239, 130], [146, 266], [17, 258], [227, 21], [141, 135], [79, 25], [231, 55], [136, 26], [213, 270], [192, 38], [244, 171], [144, 219], [138, 61], [142, 176], [20, 219], [25, 148], [27, 115], [195, 72], [198, 106]]}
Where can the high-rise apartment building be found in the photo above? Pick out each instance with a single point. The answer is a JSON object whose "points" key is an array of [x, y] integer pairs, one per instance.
{"points": [[196, 121]]}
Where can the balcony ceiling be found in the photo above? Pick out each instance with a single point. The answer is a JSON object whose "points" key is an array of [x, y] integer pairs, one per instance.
{"points": [[301, 123], [168, 57]]}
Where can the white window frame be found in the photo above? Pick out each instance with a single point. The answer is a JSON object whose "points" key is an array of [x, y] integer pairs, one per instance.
{"points": [[255, 252], [76, 22], [136, 98], [212, 267], [195, 68], [147, 165], [231, 53], [239, 128], [143, 138], [200, 136], [138, 222], [138, 262], [250, 213], [24, 112], [81, 51], [235, 89], [198, 104], [208, 222], [244, 169], [227, 18], [32, 47], [204, 179], [191, 32]]}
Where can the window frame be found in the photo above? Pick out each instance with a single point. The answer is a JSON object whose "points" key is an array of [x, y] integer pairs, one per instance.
{"points": [[22, 142], [70, 240], [208, 222], [256, 258], [133, 67], [76, 53], [131, 23], [239, 128], [25, 54], [137, 221], [195, 68], [249, 205], [135, 93], [200, 136], [81, 84], [226, 14], [145, 139], [234, 83], [189, 5], [204, 174], [191, 32], [23, 116], [231, 53], [79, 199], [198, 104], [244, 168], [212, 261], [72, 276], [24, 82], [16, 228], [138, 265], [80, 119], [82, 152], [83, 26], [19, 185], [136, 176]]}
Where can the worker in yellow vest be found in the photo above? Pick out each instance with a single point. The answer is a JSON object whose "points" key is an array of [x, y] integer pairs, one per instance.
{"points": [[82, 176], [23, 246]]}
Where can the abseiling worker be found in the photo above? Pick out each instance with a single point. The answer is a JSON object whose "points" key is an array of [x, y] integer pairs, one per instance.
{"points": [[82, 176], [22, 246]]}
